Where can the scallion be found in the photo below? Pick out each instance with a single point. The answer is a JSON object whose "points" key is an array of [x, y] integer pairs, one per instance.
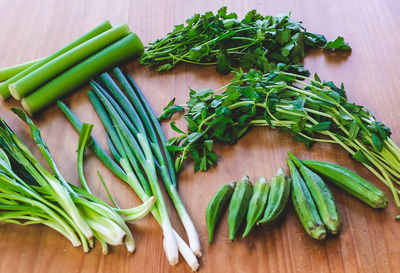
{"points": [[137, 146], [30, 194]]}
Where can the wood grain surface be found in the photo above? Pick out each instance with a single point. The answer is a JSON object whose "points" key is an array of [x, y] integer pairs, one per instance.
{"points": [[369, 239]]}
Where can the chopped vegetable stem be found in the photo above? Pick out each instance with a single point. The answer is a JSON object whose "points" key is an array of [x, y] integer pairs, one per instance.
{"points": [[4, 91], [122, 50], [58, 65]]}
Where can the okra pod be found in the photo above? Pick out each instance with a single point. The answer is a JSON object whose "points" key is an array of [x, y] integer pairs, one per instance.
{"points": [[304, 205], [217, 206], [322, 196], [350, 182], [277, 199], [257, 204], [239, 205]]}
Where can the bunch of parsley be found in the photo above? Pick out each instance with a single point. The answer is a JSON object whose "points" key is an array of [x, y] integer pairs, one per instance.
{"points": [[260, 42], [311, 110]]}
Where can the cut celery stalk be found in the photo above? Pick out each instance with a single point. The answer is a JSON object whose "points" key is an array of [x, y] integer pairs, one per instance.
{"points": [[4, 91], [48, 71], [8, 72], [126, 48]]}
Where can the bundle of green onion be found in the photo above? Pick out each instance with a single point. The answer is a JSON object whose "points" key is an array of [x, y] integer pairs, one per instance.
{"points": [[137, 143], [29, 194]]}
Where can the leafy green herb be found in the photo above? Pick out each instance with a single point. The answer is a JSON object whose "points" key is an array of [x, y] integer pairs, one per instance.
{"points": [[309, 109], [338, 44], [257, 41]]}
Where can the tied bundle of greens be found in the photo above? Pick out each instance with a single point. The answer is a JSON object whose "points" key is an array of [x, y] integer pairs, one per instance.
{"points": [[29, 194], [137, 143], [311, 110], [257, 41]]}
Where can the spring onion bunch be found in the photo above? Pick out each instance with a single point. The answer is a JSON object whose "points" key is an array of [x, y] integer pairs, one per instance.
{"points": [[311, 110], [30, 194], [137, 143]]}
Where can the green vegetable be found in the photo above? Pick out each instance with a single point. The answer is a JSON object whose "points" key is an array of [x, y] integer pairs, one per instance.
{"points": [[134, 143], [144, 126], [4, 91], [124, 49], [311, 110], [131, 179], [239, 205], [338, 44], [322, 196], [217, 206], [65, 61], [304, 205], [157, 133], [256, 41], [29, 194], [136, 154], [257, 204], [350, 182], [83, 143], [277, 199], [8, 72]]}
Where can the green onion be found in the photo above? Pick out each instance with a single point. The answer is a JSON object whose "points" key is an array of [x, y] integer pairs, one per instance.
{"points": [[48, 71], [29, 194], [93, 144], [158, 143], [84, 138], [8, 72], [156, 125], [145, 158], [130, 144], [126, 48], [4, 91]]}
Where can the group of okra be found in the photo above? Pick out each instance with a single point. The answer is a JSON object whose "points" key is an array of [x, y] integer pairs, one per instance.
{"points": [[312, 200]]}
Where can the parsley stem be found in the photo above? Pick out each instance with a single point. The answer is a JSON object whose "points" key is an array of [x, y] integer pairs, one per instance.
{"points": [[188, 61]]}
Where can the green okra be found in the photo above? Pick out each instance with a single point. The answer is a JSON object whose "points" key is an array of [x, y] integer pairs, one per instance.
{"points": [[304, 205], [239, 205], [217, 206], [322, 196], [277, 199], [350, 182], [257, 204]]}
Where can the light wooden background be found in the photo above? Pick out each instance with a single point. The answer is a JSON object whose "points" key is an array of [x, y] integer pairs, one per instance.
{"points": [[369, 241]]}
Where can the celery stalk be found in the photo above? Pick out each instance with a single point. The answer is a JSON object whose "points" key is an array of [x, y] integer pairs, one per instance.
{"points": [[48, 71], [4, 91], [8, 72], [126, 48]]}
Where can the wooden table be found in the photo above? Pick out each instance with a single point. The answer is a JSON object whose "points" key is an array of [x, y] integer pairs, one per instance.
{"points": [[369, 239]]}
